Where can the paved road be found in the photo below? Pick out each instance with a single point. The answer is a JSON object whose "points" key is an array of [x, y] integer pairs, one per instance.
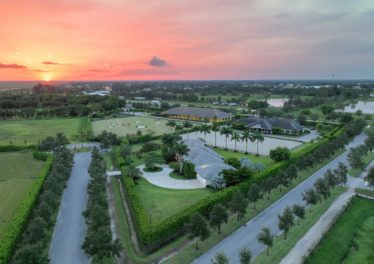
{"points": [[246, 236], [162, 179], [70, 227]]}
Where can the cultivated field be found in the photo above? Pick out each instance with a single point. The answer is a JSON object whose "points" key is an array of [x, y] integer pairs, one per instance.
{"points": [[19, 132], [17, 172], [130, 125]]}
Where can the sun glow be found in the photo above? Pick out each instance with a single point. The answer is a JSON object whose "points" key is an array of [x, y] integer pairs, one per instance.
{"points": [[47, 77]]}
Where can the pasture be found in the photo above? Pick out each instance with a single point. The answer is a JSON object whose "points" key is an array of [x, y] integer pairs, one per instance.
{"points": [[17, 172], [23, 132], [130, 125]]}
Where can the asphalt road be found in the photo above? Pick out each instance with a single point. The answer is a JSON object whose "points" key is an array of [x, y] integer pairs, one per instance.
{"points": [[246, 236], [70, 228]]}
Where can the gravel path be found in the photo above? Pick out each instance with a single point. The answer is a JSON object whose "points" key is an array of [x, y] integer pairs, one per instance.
{"points": [[70, 227]]}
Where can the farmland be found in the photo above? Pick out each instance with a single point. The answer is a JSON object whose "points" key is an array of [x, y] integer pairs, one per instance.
{"points": [[23, 132], [15, 181]]}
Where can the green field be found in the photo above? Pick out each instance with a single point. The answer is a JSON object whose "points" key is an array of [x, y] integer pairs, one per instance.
{"points": [[19, 132], [231, 154], [130, 125], [160, 203], [345, 238], [17, 172]]}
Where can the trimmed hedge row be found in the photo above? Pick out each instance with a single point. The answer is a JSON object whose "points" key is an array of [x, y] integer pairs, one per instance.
{"points": [[8, 148], [19, 220]]}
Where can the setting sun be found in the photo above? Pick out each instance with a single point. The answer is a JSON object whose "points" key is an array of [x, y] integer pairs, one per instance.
{"points": [[47, 77]]}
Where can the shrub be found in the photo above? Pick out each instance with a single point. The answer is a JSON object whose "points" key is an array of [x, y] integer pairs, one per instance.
{"points": [[233, 162], [38, 155], [189, 170], [149, 146], [280, 153]]}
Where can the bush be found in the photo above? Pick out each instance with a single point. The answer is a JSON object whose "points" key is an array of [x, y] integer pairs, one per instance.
{"points": [[8, 148], [280, 153], [189, 170], [233, 162], [174, 166], [149, 146], [38, 155]]}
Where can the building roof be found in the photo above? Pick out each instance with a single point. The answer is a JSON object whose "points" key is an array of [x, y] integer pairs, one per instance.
{"points": [[270, 123], [198, 112], [207, 162]]}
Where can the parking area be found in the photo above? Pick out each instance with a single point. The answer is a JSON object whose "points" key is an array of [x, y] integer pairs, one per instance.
{"points": [[264, 147]]}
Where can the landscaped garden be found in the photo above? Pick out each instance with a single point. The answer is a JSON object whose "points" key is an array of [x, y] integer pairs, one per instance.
{"points": [[18, 170], [351, 238], [30, 131]]}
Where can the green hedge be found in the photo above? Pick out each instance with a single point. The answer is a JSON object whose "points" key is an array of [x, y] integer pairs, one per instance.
{"points": [[19, 220], [8, 148]]}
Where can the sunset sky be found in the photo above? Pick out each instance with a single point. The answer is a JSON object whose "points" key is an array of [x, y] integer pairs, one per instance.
{"points": [[186, 39]]}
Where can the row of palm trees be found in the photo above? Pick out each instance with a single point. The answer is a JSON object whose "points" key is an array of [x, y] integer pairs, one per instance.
{"points": [[225, 131]]}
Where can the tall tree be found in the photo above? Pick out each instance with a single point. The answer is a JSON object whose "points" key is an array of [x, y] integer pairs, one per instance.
{"points": [[310, 196], [254, 194], [226, 131], [197, 228], [215, 129], [370, 176], [266, 237], [239, 204], [180, 150], [286, 221], [322, 188], [245, 256], [235, 137], [247, 136], [258, 137], [205, 129], [218, 216], [341, 173], [220, 258], [299, 211]]}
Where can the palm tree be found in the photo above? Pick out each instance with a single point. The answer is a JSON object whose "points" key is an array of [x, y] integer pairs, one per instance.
{"points": [[215, 129], [259, 138], [171, 123], [180, 150], [236, 137], [226, 131], [245, 137], [205, 129]]}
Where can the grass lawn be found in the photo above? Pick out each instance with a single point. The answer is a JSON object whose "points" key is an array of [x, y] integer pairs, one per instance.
{"points": [[367, 159], [124, 233], [17, 172], [160, 203], [128, 125], [281, 247], [231, 154], [188, 254], [17, 131], [344, 237]]}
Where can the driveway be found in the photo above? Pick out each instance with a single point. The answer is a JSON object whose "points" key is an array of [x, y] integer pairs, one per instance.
{"points": [[70, 227], [162, 179], [246, 236]]}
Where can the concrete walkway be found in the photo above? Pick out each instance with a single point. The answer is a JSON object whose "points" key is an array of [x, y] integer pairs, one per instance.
{"points": [[70, 227], [162, 179]]}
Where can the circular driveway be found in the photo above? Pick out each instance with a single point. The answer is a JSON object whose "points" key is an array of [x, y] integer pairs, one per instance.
{"points": [[162, 179]]}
